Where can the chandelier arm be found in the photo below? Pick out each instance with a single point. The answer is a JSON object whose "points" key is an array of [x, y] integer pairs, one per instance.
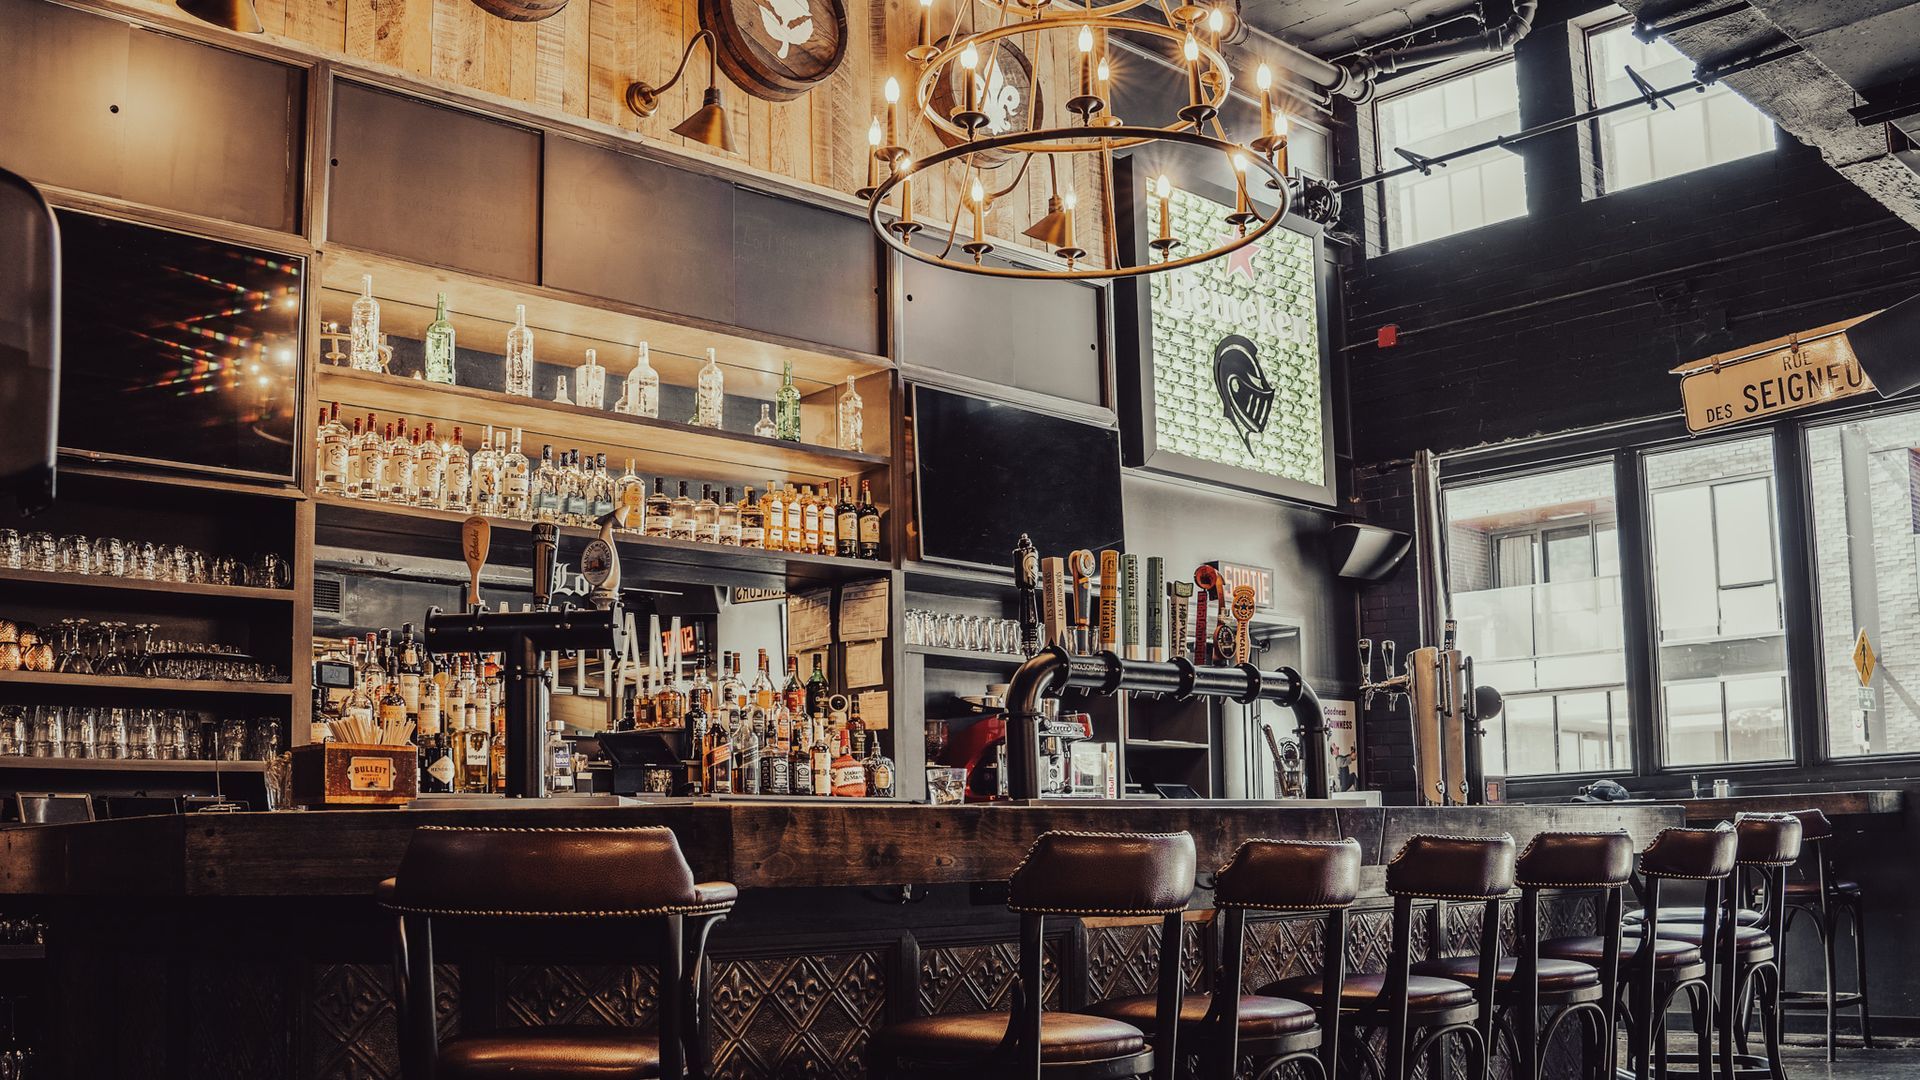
{"points": [[1108, 220], [953, 223], [1025, 160]]}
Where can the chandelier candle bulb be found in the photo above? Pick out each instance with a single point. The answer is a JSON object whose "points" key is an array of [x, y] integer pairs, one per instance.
{"points": [[970, 93], [1066, 203], [1217, 25], [1086, 60], [1195, 95], [893, 111], [925, 50], [979, 197], [1163, 190]]}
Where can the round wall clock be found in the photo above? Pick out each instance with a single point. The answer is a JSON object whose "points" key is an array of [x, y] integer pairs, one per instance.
{"points": [[1007, 94], [777, 49]]}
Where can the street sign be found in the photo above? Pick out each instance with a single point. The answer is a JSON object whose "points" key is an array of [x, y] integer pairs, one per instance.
{"points": [[1863, 658], [1794, 372]]}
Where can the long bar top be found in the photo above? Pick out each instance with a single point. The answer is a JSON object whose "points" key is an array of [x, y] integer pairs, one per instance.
{"points": [[753, 844]]}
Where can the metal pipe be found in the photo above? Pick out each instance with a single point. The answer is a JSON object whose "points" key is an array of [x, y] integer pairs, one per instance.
{"points": [[1360, 72]]}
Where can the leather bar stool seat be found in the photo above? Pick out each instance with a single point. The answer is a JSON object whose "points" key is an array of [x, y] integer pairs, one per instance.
{"points": [[1670, 916], [1260, 1017], [552, 1053], [1810, 890], [1670, 955], [1556, 976], [959, 1038], [1362, 992], [1753, 942]]}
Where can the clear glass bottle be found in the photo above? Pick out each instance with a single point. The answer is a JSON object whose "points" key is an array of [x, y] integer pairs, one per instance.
{"points": [[439, 344], [335, 437], [573, 490], [729, 525], [641, 394], [560, 391], [519, 376], [486, 476], [546, 487], [429, 470], [753, 522], [363, 349], [659, 510], [456, 487], [880, 770], [560, 760], [852, 418], [351, 481], [786, 421], [706, 517], [773, 509], [603, 493], [683, 526], [763, 427], [372, 452], [516, 488], [630, 495], [403, 455], [590, 383], [710, 395]]}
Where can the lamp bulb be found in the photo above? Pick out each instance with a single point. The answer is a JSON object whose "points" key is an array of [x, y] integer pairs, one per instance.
{"points": [[1068, 200], [1104, 71], [978, 194], [873, 133], [1086, 39], [1192, 49], [970, 57], [1263, 78], [1239, 162], [893, 90], [1217, 21], [1162, 187]]}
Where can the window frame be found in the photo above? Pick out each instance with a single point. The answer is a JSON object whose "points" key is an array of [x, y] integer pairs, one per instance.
{"points": [[1382, 214]]}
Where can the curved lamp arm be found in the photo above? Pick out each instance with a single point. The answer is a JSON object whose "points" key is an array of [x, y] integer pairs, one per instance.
{"points": [[643, 99]]}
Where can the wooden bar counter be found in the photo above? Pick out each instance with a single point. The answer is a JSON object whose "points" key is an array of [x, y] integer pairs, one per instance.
{"points": [[247, 945]]}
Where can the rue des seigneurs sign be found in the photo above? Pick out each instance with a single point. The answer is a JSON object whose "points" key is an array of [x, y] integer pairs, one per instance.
{"points": [[1798, 371]]}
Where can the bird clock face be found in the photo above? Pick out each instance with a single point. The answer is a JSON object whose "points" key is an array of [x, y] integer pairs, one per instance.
{"points": [[777, 49]]}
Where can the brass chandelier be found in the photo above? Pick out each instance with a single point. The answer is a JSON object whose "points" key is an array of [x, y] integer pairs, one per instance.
{"points": [[1086, 127]]}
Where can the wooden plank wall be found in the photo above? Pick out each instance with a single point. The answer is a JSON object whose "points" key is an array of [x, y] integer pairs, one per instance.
{"points": [[578, 63]]}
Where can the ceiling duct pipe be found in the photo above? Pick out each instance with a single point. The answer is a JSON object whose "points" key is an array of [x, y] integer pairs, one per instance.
{"points": [[1354, 78]]}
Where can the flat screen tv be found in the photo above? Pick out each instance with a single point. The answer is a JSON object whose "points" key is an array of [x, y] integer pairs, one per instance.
{"points": [[986, 471], [178, 349]]}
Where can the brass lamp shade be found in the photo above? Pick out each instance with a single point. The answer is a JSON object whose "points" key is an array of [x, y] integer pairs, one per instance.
{"points": [[1052, 229], [708, 124], [232, 14]]}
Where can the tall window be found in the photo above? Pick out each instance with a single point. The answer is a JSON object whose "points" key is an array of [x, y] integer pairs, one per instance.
{"points": [[1533, 570], [1444, 115], [1723, 655], [1866, 536], [1638, 146]]}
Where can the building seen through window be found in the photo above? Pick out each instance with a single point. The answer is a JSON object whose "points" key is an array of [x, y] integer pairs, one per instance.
{"points": [[1444, 115]]}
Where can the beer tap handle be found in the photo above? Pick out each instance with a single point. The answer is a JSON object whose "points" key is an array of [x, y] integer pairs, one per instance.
{"points": [[546, 545], [475, 536], [1083, 567], [1366, 673], [1207, 584], [1386, 657], [1026, 578]]}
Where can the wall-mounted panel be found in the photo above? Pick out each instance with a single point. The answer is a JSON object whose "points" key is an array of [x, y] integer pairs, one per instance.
{"points": [[63, 75], [1042, 336], [433, 184], [637, 230], [806, 272]]}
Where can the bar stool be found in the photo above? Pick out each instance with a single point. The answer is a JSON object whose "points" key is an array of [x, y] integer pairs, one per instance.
{"points": [[1296, 876], [1822, 895], [1063, 874], [1475, 868], [1527, 984], [500, 890], [1748, 965], [1659, 969]]}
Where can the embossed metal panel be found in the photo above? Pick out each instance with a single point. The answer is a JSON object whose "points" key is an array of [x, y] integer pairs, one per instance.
{"points": [[797, 1015]]}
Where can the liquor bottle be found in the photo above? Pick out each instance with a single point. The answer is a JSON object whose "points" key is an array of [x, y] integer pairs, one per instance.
{"points": [[371, 450], [330, 452], [729, 520], [351, 481], [399, 471], [393, 707], [476, 754], [796, 520], [516, 482], [786, 422], [763, 427], [829, 523], [793, 695], [706, 517], [763, 693], [436, 756], [683, 527], [856, 728], [487, 478], [604, 493], [820, 763], [456, 483], [747, 758], [730, 689], [560, 391], [641, 394], [574, 484], [718, 760], [869, 523], [800, 761], [710, 395], [363, 349], [700, 693], [429, 471], [809, 521], [630, 496], [852, 416], [559, 761], [590, 383], [439, 344], [409, 672], [773, 510], [776, 763], [519, 375], [817, 690], [753, 522], [669, 704], [880, 772], [497, 736], [659, 520], [546, 487], [846, 524]]}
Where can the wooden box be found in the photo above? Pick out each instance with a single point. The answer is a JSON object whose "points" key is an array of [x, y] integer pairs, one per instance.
{"points": [[344, 774]]}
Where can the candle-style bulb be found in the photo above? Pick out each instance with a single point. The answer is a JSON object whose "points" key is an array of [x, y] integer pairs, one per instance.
{"points": [[1068, 200], [873, 133], [1263, 78], [1239, 162], [1192, 49], [1162, 187], [1086, 39], [1216, 22], [1105, 72], [893, 90], [970, 57], [978, 194]]}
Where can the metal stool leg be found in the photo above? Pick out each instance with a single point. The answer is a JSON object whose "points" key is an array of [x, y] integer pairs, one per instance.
{"points": [[1858, 909]]}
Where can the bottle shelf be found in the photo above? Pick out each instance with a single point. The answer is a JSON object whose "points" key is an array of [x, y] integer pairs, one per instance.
{"points": [[567, 324], [966, 658], [656, 446], [104, 583], [145, 685], [1166, 745], [120, 765], [436, 533]]}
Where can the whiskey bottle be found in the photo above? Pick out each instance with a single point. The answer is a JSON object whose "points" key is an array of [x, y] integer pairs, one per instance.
{"points": [[409, 672], [763, 692], [439, 344], [456, 482], [817, 690], [436, 758], [706, 517], [519, 373], [869, 523], [852, 413], [786, 424], [821, 760], [393, 707], [849, 775], [793, 695], [516, 483], [796, 520], [846, 524], [776, 763], [763, 427], [590, 383], [630, 495], [641, 394], [710, 395], [856, 728], [753, 522], [829, 527], [429, 471], [546, 487], [747, 740], [800, 763], [810, 521], [773, 509], [363, 349], [659, 519], [334, 440], [880, 772], [683, 526]]}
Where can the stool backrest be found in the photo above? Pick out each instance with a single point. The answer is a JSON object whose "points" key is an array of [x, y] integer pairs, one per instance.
{"points": [[551, 873], [1814, 824], [1691, 854], [1766, 839], [1575, 860], [1082, 873], [1570, 860], [1452, 867]]}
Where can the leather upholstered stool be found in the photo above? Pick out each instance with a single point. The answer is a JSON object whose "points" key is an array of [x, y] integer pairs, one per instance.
{"points": [[1294, 876], [516, 892], [1446, 868], [1659, 969], [1566, 989], [1817, 892], [1076, 875]]}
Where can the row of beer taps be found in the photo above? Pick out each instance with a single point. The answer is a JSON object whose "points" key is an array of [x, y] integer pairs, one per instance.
{"points": [[1088, 604]]}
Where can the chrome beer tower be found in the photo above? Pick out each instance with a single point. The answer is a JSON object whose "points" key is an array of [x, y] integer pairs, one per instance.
{"points": [[1448, 712]]}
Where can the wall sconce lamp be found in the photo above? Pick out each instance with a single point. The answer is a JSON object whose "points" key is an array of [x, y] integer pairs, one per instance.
{"points": [[708, 124]]}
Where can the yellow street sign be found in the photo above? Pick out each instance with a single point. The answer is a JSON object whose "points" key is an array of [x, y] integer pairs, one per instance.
{"points": [[1863, 658]]}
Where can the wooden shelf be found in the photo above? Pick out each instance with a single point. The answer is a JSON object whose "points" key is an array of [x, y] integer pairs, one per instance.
{"points": [[119, 584], [116, 765], [23, 952], [144, 685], [657, 446], [966, 658], [958, 580], [1170, 745], [566, 324], [95, 466], [436, 533]]}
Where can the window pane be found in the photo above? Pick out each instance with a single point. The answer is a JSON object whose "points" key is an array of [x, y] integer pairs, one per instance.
{"points": [[1722, 650], [1446, 115], [1865, 480], [1533, 571], [1701, 129]]}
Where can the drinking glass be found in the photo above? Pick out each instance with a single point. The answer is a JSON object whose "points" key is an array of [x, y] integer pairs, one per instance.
{"points": [[268, 571], [13, 730], [13, 549], [45, 733], [110, 733], [76, 554], [146, 561], [225, 571], [110, 556], [79, 733], [233, 739], [266, 739], [143, 734], [43, 552], [180, 564]]}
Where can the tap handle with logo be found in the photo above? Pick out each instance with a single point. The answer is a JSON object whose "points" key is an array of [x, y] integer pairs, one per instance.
{"points": [[475, 536]]}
